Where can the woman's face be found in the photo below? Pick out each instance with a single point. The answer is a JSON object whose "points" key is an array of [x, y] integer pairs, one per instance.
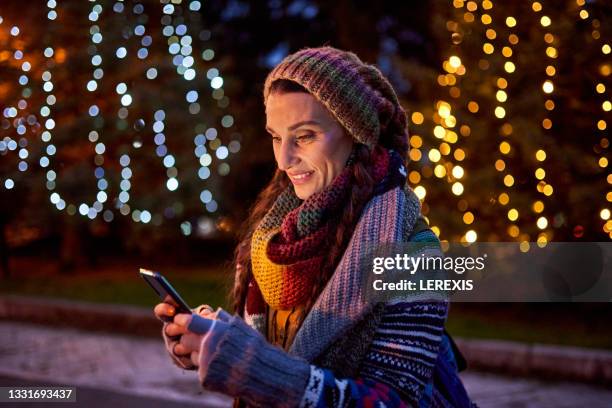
{"points": [[309, 144]]}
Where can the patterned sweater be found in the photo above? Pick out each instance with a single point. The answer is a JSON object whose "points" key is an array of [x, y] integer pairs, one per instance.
{"points": [[397, 367]]}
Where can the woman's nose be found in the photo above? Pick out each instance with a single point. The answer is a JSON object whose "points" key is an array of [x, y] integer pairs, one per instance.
{"points": [[286, 157]]}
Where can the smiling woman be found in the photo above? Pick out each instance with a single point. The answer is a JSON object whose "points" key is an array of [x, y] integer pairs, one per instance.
{"points": [[304, 333], [310, 146]]}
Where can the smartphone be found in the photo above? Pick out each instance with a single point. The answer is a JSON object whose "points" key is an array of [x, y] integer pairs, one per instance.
{"points": [[163, 288]]}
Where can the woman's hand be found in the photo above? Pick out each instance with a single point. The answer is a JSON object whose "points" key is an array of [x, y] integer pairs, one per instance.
{"points": [[166, 310], [189, 344]]}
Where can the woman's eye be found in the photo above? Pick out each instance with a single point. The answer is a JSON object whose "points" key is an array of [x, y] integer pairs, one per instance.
{"points": [[305, 137]]}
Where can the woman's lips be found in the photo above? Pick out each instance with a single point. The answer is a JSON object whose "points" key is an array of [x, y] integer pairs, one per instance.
{"points": [[301, 178]]}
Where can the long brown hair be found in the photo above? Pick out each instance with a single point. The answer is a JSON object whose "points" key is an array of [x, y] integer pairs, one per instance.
{"points": [[393, 136]]}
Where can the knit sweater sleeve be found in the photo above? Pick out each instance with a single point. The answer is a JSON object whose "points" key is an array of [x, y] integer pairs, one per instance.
{"points": [[398, 365]]}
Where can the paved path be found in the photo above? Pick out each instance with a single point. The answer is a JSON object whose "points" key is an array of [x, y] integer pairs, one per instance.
{"points": [[135, 372]]}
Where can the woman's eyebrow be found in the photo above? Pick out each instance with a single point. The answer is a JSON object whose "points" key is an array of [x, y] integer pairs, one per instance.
{"points": [[295, 125]]}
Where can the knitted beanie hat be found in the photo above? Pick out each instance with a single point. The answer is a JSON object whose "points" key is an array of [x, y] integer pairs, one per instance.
{"points": [[356, 93]]}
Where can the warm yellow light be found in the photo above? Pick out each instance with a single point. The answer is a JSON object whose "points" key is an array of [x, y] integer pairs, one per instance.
{"points": [[542, 223], [547, 190], [547, 123], [503, 199], [603, 162], [455, 61], [549, 38], [513, 214], [524, 246], [473, 106], [504, 147], [471, 236], [549, 104], [458, 172], [491, 34], [506, 129], [500, 112], [513, 231], [487, 5], [486, 19], [416, 141], [605, 48], [501, 96], [508, 180], [538, 207], [445, 149], [608, 226], [584, 14], [540, 155], [540, 173], [500, 165], [580, 2], [605, 69], [434, 155], [415, 155], [551, 52], [536, 6], [513, 39], [600, 88], [450, 121], [605, 214], [545, 21], [440, 171], [488, 48], [509, 67], [459, 155], [472, 6], [548, 87], [468, 218], [444, 111], [550, 70], [542, 240], [439, 132], [507, 52], [417, 118], [457, 188], [606, 106], [435, 230], [601, 125], [502, 83], [465, 130], [451, 137], [468, 17], [420, 192], [510, 21], [414, 177], [458, 3]]}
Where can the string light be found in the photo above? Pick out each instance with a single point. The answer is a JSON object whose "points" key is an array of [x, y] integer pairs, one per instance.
{"points": [[548, 88], [209, 150], [18, 119], [603, 143]]}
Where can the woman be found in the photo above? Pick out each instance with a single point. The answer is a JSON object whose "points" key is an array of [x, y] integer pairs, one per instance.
{"points": [[310, 337]]}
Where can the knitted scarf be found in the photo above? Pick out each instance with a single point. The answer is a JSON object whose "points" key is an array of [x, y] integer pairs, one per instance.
{"points": [[289, 245]]}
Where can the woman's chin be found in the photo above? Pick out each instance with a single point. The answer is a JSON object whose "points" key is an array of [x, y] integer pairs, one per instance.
{"points": [[303, 191]]}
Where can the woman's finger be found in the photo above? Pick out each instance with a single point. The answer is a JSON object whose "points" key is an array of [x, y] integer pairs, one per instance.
{"points": [[174, 330], [163, 311], [182, 319], [179, 350], [191, 341], [195, 358]]}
